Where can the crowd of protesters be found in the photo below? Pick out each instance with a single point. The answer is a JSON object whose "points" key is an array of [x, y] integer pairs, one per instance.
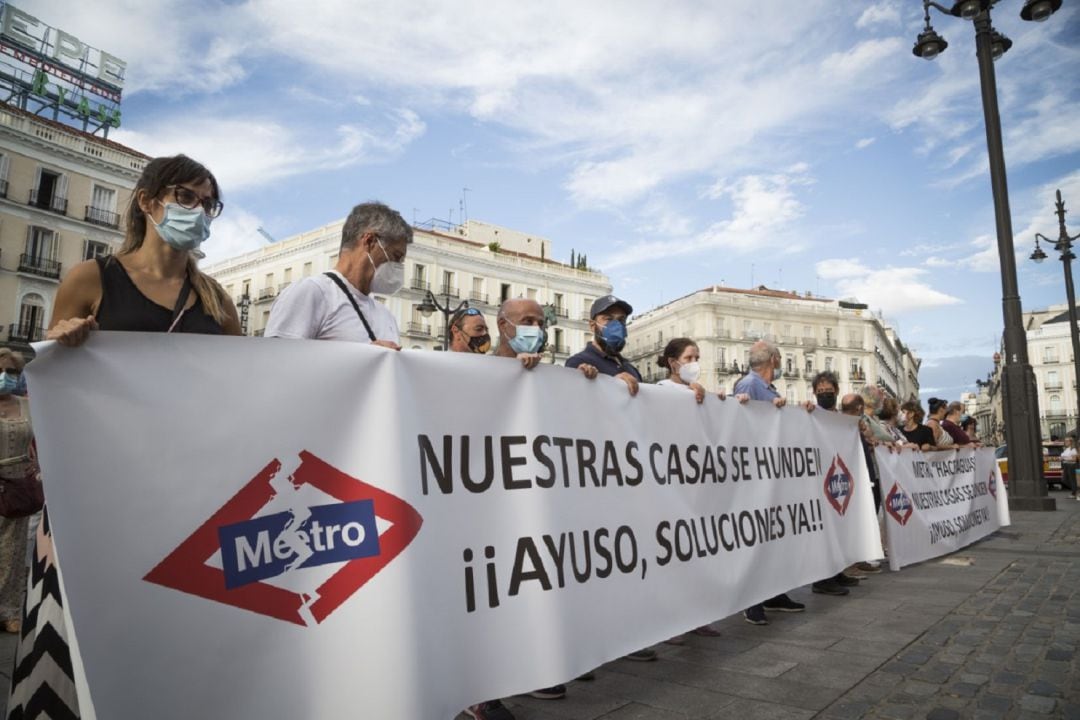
{"points": [[153, 284]]}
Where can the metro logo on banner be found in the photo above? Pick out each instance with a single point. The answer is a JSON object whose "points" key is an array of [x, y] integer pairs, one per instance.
{"points": [[838, 485], [898, 504], [255, 548]]}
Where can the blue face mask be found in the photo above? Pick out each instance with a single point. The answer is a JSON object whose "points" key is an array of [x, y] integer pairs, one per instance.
{"points": [[20, 388], [778, 373], [8, 383], [527, 339], [182, 228], [613, 335]]}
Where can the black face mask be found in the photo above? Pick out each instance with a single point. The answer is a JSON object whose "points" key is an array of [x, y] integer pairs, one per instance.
{"points": [[826, 400], [480, 343]]}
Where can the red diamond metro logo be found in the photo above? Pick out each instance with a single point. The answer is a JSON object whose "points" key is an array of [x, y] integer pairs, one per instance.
{"points": [[185, 568]]}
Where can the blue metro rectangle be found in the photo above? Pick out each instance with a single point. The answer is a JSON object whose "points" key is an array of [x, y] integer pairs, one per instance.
{"points": [[268, 546]]}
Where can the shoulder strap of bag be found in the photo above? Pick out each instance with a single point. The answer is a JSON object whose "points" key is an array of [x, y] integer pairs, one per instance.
{"points": [[356, 307], [181, 301]]}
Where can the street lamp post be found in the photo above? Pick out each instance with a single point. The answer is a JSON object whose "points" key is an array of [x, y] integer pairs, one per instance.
{"points": [[1028, 486], [1064, 246], [431, 304]]}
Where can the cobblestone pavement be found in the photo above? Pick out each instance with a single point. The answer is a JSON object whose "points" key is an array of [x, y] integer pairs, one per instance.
{"points": [[990, 632]]}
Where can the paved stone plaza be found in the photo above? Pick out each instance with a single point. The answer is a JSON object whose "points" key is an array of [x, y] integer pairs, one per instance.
{"points": [[990, 632]]}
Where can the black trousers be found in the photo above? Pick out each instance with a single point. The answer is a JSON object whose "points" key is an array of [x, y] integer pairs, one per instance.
{"points": [[1068, 476]]}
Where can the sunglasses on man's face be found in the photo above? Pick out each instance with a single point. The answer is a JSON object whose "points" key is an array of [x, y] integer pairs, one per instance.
{"points": [[462, 314]]}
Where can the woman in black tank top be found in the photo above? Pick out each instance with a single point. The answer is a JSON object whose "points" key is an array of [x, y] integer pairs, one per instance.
{"points": [[151, 285]]}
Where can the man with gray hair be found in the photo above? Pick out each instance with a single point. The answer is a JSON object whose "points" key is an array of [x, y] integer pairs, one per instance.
{"points": [[758, 384], [338, 305]]}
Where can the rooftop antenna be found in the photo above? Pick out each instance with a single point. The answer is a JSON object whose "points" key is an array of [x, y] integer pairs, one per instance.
{"points": [[465, 204], [414, 211]]}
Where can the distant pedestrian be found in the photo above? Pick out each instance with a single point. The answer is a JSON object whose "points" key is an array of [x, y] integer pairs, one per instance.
{"points": [[1068, 467]]}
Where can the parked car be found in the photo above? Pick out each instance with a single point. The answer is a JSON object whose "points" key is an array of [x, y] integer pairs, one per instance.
{"points": [[1051, 464]]}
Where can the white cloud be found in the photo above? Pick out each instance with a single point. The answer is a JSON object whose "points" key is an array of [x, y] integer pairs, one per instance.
{"points": [[892, 290], [883, 13], [1038, 96], [244, 153], [764, 207], [864, 143]]}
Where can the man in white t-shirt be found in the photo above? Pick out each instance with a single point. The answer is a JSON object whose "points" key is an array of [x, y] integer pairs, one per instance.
{"points": [[338, 305]]}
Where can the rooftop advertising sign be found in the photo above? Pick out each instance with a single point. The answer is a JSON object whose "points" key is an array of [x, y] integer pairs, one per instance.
{"points": [[54, 69]]}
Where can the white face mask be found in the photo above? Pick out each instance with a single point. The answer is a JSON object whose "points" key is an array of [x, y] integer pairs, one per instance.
{"points": [[389, 277], [902, 418], [690, 372]]}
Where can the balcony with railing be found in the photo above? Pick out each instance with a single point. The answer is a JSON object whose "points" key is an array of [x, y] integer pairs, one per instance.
{"points": [[52, 203], [281, 287], [585, 316], [40, 266], [478, 297], [25, 333], [809, 342], [1053, 385], [559, 349], [830, 342], [723, 334], [450, 291], [858, 376], [420, 285], [731, 369], [97, 216], [855, 344], [259, 333], [267, 293], [562, 312], [415, 328]]}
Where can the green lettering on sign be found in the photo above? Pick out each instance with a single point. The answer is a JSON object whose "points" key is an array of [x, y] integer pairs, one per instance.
{"points": [[40, 79], [84, 107]]}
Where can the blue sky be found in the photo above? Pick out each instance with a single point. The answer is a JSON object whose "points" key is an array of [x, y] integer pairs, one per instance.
{"points": [[793, 143]]}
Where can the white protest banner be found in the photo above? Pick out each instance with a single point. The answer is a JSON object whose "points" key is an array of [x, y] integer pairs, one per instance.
{"points": [[289, 529], [938, 502]]}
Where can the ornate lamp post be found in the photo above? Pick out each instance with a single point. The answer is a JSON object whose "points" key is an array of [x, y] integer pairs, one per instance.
{"points": [[1018, 380], [431, 304], [1064, 246]]}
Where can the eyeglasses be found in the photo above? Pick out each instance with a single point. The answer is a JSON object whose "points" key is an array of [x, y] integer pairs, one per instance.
{"points": [[188, 198], [462, 314]]}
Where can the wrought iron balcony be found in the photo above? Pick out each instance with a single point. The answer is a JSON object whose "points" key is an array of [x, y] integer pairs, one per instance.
{"points": [[39, 266], [478, 297], [267, 293], [51, 203], [419, 284], [415, 328], [450, 291], [25, 333], [97, 216]]}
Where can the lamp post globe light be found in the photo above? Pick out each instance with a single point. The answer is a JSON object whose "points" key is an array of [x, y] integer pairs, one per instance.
{"points": [[1063, 245], [431, 304], [1021, 405]]}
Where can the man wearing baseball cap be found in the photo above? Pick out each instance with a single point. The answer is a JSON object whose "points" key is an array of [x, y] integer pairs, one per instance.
{"points": [[608, 325]]}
